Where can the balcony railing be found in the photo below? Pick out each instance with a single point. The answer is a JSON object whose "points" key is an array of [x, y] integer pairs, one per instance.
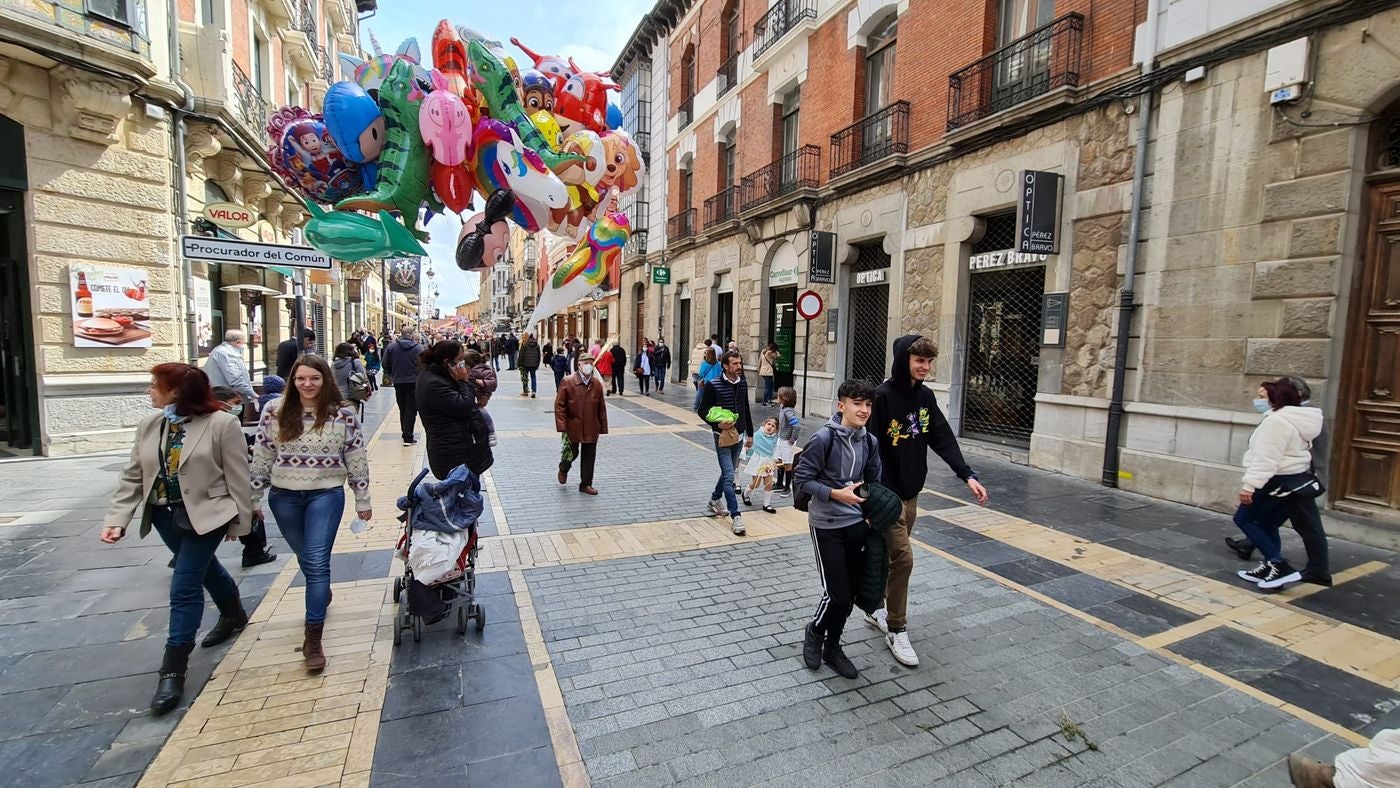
{"points": [[782, 17], [327, 70], [721, 208], [728, 75], [638, 216], [882, 133], [686, 113], [306, 20], [681, 226], [800, 169], [1030, 66], [250, 101]]}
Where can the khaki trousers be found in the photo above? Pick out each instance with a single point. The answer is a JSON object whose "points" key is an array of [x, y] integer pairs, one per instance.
{"points": [[901, 565]]}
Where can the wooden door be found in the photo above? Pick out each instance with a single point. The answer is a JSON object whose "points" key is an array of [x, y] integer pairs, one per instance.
{"points": [[1370, 451]]}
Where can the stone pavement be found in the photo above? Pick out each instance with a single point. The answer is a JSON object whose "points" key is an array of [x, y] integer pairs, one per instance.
{"points": [[1069, 635]]}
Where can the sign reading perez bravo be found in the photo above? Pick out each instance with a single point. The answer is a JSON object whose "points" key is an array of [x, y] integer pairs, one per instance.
{"points": [[223, 250], [1038, 213], [821, 265]]}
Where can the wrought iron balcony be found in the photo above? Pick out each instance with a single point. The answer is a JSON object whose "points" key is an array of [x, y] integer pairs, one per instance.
{"points": [[250, 102], [681, 226], [636, 244], [686, 113], [782, 17], [643, 140], [1030, 66], [882, 133], [306, 20], [327, 70], [728, 75], [800, 169], [721, 208]]}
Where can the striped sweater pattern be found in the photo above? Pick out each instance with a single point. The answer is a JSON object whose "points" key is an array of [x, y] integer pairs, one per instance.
{"points": [[316, 460]]}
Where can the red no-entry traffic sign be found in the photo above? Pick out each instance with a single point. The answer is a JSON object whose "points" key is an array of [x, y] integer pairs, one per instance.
{"points": [[809, 305]]}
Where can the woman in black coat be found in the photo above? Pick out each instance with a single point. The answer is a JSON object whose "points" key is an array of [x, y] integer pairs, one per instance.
{"points": [[457, 433]]}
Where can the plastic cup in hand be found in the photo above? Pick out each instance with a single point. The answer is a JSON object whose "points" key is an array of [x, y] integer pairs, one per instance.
{"points": [[357, 525]]}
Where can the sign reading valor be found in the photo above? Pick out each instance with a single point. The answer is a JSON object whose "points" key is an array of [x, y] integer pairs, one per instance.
{"points": [[223, 250]]}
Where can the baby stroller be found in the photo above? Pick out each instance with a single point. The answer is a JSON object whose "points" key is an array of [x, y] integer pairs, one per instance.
{"points": [[442, 517]]}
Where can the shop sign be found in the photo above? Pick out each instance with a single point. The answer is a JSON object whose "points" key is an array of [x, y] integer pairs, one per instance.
{"points": [[229, 216], [224, 250], [1003, 258], [661, 275], [1038, 213], [783, 276], [404, 273], [823, 259], [110, 306], [1054, 313], [204, 316], [603, 313], [871, 277]]}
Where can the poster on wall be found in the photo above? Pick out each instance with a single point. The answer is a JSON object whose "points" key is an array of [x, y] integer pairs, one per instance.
{"points": [[204, 317], [403, 274], [111, 307]]}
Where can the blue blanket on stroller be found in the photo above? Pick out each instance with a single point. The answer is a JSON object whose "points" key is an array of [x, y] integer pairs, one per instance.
{"points": [[451, 505]]}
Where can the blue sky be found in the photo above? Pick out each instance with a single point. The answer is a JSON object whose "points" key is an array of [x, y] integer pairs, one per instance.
{"points": [[593, 33]]}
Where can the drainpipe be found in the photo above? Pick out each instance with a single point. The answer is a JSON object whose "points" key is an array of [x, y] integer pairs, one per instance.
{"points": [[1126, 303], [181, 193]]}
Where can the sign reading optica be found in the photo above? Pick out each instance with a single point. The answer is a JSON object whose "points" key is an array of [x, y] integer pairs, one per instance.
{"points": [[229, 216], [223, 250], [1038, 213]]}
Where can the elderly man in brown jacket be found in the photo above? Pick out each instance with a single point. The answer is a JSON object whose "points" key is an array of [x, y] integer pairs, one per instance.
{"points": [[580, 415]]}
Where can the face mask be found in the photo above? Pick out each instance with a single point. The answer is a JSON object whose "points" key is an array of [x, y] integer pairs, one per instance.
{"points": [[585, 370], [236, 410], [1262, 405]]}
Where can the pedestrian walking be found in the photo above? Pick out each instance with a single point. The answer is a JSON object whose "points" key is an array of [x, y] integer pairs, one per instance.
{"points": [[1277, 466], [619, 369], [766, 360], [290, 350], [580, 417], [188, 478], [227, 367], [789, 433], [1299, 510], [372, 363], [512, 347], [528, 361], [560, 365], [761, 464], [1377, 765], [351, 377], [401, 366], [643, 370], [709, 370], [909, 424], [838, 458], [453, 421], [729, 391], [309, 445], [604, 362], [255, 552], [496, 343], [660, 362]]}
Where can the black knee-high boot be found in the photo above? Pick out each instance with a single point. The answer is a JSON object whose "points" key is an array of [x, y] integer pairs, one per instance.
{"points": [[172, 679]]}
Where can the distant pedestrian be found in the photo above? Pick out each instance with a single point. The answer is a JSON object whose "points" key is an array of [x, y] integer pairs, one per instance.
{"points": [[351, 377], [255, 552], [453, 421], [580, 417], [660, 362], [483, 382], [709, 370], [619, 369], [188, 478], [789, 433], [838, 459], [560, 365], [401, 366], [272, 387], [731, 392], [372, 362], [227, 367], [528, 361], [512, 346], [290, 350], [604, 361], [766, 360], [643, 370]]}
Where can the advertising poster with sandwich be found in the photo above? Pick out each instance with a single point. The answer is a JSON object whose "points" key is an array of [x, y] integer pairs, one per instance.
{"points": [[111, 306]]}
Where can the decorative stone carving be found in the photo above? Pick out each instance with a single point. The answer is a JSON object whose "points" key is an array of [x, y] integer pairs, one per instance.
{"points": [[86, 106], [200, 144], [272, 209], [292, 217], [224, 170], [257, 185]]}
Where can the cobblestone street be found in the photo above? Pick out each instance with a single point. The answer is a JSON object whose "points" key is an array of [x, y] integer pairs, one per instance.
{"points": [[1068, 635]]}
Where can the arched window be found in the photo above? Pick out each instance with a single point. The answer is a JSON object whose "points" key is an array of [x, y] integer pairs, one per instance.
{"points": [[733, 43], [879, 65], [688, 72]]}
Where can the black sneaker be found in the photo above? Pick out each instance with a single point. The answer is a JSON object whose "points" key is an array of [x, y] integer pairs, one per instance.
{"points": [[1316, 579], [1280, 573], [812, 647], [839, 662], [1241, 547], [1257, 574], [784, 492], [258, 560]]}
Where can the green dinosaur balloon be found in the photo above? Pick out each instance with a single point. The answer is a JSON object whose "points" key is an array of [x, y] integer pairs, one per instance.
{"points": [[352, 237], [497, 87], [403, 182]]}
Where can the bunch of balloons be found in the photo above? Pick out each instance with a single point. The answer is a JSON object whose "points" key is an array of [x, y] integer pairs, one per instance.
{"points": [[400, 142]]}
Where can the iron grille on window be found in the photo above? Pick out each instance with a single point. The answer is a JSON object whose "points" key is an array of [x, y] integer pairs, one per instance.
{"points": [[685, 115], [1003, 354], [880, 134], [643, 140], [782, 17], [250, 101], [1034, 64], [720, 208], [728, 75], [999, 232], [1390, 146], [681, 226], [800, 169], [869, 316]]}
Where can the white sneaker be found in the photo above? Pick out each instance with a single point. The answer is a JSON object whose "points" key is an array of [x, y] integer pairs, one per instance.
{"points": [[739, 526], [901, 649], [716, 508], [879, 619]]}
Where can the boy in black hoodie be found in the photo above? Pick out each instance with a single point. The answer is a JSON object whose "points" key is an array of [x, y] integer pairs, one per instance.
{"points": [[908, 422]]}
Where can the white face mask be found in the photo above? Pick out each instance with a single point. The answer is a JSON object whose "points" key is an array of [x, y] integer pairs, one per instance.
{"points": [[585, 370]]}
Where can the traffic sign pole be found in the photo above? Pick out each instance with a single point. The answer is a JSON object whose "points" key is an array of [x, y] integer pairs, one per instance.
{"points": [[809, 306]]}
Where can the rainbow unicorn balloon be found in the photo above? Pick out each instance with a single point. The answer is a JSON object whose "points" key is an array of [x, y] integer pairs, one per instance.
{"points": [[501, 161], [587, 268]]}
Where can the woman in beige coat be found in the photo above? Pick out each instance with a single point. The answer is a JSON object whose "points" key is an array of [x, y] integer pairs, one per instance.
{"points": [[188, 478]]}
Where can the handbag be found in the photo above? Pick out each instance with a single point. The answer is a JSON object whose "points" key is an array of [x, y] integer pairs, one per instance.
{"points": [[179, 516], [1303, 485]]}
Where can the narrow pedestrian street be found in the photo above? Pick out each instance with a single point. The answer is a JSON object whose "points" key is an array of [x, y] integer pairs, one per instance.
{"points": [[1068, 635]]}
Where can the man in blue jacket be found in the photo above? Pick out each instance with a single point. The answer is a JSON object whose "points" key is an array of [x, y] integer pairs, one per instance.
{"points": [[401, 366]]}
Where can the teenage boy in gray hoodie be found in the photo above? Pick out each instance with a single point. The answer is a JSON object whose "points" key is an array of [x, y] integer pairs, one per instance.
{"points": [[837, 459]]}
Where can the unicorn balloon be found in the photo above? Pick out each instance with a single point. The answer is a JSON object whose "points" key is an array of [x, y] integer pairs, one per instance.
{"points": [[587, 268], [502, 161]]}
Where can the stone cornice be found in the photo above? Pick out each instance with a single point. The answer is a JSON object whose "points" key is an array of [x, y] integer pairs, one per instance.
{"points": [[86, 106]]}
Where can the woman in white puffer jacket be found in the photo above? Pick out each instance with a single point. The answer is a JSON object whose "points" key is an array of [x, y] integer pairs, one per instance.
{"points": [[1277, 464]]}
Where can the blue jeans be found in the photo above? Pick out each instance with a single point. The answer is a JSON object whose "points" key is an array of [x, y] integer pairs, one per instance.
{"points": [[527, 386], [699, 390], [196, 569], [1260, 522], [309, 520], [767, 389], [660, 374], [728, 458]]}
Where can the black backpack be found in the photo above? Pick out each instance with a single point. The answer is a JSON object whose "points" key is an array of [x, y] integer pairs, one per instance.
{"points": [[801, 499]]}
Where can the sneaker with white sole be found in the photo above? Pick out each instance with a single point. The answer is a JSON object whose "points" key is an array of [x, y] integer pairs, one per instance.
{"points": [[716, 509], [1280, 573], [739, 526], [880, 619], [902, 650], [1255, 575]]}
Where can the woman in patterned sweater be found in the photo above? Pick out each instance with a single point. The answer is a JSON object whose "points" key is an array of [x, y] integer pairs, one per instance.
{"points": [[309, 444]]}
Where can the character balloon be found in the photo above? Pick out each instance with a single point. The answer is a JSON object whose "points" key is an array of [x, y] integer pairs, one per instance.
{"points": [[551, 65], [350, 236], [502, 161], [450, 57], [357, 126], [309, 159], [581, 102], [498, 91], [587, 269], [485, 237], [403, 164]]}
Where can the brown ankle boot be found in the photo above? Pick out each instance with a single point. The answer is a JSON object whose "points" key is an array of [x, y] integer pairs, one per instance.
{"points": [[311, 652], [1308, 773]]}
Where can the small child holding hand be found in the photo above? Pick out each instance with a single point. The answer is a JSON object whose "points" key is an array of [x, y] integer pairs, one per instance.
{"points": [[761, 465], [789, 431]]}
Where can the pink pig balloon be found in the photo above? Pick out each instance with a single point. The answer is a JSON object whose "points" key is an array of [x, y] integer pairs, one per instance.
{"points": [[446, 127]]}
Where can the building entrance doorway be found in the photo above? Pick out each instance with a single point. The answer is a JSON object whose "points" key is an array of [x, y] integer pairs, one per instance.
{"points": [[19, 404], [868, 319], [782, 330], [680, 354]]}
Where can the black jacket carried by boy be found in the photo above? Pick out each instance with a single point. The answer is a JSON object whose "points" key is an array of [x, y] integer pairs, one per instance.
{"points": [[908, 422]]}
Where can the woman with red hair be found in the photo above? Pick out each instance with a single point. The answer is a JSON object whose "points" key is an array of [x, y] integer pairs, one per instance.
{"points": [[188, 475]]}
